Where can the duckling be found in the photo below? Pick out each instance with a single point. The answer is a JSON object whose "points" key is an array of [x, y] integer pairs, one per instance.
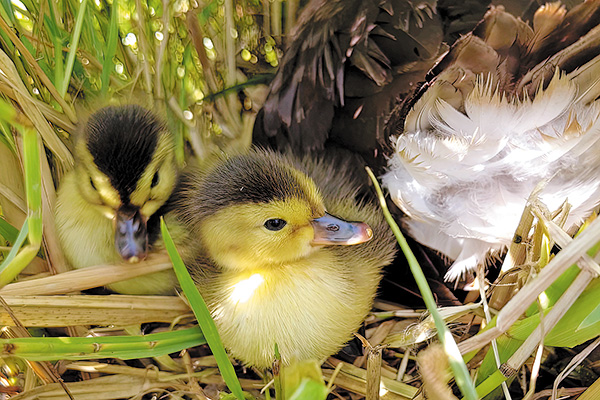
{"points": [[274, 267], [510, 107], [107, 206]]}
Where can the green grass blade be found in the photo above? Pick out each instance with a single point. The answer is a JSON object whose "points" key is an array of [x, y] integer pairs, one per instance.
{"points": [[7, 231], [507, 346], [6, 137], [121, 347], [111, 48], [33, 185], [459, 368], [577, 326], [491, 383], [15, 263], [551, 294], [7, 112], [17, 244], [202, 315], [55, 36], [64, 85], [6, 12], [262, 79]]}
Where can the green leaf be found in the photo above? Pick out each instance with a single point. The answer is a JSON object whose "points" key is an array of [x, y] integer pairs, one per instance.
{"points": [[7, 112], [6, 137], [592, 392], [580, 324], [571, 330], [16, 262], [202, 315], [551, 295], [231, 396], [256, 80], [33, 184], [310, 390], [488, 369], [301, 380], [15, 249], [592, 319], [490, 384], [8, 232]]}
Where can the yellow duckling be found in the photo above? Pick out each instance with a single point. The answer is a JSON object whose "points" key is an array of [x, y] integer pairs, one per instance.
{"points": [[273, 266], [107, 206]]}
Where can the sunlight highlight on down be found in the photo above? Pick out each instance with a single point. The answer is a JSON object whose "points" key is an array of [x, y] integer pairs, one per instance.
{"points": [[243, 290]]}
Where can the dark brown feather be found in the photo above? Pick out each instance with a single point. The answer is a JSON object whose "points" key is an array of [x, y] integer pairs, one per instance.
{"points": [[338, 79]]}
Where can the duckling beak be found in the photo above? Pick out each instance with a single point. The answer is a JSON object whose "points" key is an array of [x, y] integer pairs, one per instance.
{"points": [[131, 236], [331, 230]]}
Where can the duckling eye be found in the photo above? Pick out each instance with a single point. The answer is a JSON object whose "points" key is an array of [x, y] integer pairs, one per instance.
{"points": [[92, 183], [154, 180], [275, 224]]}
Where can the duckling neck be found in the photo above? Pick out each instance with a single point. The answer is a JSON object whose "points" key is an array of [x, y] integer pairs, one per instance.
{"points": [[230, 261]]}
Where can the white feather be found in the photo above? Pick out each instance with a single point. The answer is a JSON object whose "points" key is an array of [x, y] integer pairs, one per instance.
{"points": [[463, 177]]}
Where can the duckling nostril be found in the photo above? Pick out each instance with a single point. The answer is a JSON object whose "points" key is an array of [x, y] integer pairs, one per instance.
{"points": [[330, 230], [333, 228]]}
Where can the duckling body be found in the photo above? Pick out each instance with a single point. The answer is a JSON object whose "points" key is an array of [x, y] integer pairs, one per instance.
{"points": [[303, 309], [124, 174], [269, 282]]}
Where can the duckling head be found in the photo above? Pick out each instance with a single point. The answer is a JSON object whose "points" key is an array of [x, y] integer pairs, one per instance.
{"points": [[126, 170], [254, 210]]}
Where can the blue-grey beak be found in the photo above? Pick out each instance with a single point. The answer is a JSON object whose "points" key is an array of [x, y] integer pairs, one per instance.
{"points": [[330, 230], [131, 235]]}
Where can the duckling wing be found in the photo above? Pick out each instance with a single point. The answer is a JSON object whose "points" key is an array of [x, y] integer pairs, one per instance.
{"points": [[509, 108]]}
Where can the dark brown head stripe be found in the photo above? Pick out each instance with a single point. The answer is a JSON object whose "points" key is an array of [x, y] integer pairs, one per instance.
{"points": [[122, 141]]}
